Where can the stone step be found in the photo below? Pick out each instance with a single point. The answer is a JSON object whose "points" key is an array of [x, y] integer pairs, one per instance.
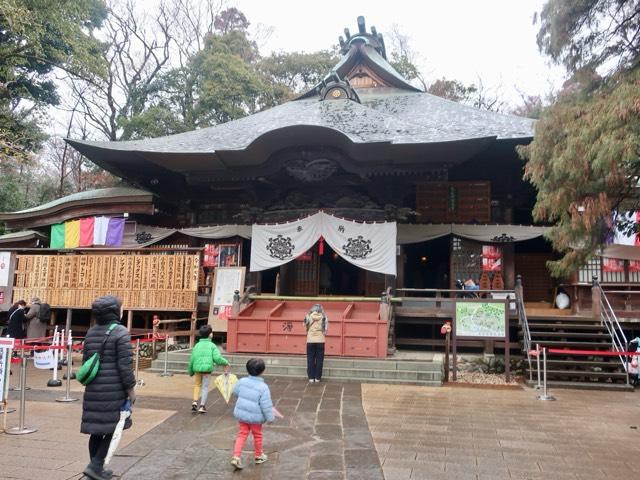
{"points": [[551, 384], [612, 362], [348, 369], [423, 382], [329, 372], [584, 373], [578, 335], [567, 326], [572, 344], [329, 362]]}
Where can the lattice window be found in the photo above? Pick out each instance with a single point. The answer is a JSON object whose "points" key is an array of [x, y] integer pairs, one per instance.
{"points": [[466, 259]]}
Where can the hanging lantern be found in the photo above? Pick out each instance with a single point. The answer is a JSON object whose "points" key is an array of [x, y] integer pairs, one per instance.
{"points": [[321, 246]]}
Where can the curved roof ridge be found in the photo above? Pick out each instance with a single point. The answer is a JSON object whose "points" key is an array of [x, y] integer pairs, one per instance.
{"points": [[109, 192]]}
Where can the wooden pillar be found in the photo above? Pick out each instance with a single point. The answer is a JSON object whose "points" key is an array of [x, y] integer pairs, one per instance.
{"points": [[129, 320], [400, 266], [68, 321], [192, 335], [509, 263], [146, 321], [596, 311]]}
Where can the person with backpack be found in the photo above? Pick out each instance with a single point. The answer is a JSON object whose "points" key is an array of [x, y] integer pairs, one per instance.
{"points": [[204, 357], [36, 328], [112, 386]]}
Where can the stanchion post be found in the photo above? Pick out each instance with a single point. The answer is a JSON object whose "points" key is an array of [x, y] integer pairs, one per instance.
{"points": [[139, 381], [165, 373], [539, 385], [21, 429], [55, 381], [545, 396], [20, 386], [67, 398]]}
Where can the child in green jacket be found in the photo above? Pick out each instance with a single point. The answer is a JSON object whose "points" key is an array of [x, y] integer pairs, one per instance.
{"points": [[204, 356]]}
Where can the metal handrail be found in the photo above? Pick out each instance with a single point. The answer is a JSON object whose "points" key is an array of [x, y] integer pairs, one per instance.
{"points": [[524, 323], [609, 319]]}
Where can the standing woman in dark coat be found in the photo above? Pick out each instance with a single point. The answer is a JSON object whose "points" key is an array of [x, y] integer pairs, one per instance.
{"points": [[113, 384], [17, 319]]}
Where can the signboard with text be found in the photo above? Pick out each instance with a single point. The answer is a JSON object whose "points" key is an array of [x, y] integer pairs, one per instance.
{"points": [[225, 282]]}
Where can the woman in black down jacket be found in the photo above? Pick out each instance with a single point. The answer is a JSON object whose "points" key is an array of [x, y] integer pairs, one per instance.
{"points": [[113, 384]]}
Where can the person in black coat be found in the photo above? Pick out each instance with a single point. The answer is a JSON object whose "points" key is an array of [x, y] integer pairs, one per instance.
{"points": [[111, 387], [17, 320]]}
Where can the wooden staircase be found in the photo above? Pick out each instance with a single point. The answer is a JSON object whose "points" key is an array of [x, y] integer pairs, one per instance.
{"points": [[577, 371]]}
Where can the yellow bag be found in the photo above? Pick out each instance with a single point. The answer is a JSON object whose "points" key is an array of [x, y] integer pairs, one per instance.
{"points": [[225, 383]]}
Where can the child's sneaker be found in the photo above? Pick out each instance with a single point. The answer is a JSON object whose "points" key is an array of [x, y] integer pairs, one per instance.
{"points": [[235, 461], [202, 409], [262, 458], [194, 406]]}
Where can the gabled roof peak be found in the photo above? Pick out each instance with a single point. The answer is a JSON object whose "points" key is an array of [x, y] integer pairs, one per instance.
{"points": [[374, 39]]}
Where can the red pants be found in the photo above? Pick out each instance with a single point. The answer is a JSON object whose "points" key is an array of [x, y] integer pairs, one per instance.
{"points": [[243, 433]]}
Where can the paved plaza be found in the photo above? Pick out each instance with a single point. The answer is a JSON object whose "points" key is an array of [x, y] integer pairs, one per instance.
{"points": [[345, 431]]}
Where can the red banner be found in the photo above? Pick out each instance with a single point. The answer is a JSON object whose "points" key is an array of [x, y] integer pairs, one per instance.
{"points": [[491, 258], [210, 255], [612, 265]]}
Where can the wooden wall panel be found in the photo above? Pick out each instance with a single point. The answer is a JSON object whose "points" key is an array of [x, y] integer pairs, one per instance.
{"points": [[453, 202]]}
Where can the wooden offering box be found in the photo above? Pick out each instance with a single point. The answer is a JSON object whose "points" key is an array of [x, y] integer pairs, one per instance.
{"points": [[272, 326]]}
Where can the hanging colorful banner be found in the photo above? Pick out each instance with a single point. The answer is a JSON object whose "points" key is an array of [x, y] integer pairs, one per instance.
{"points": [[86, 231], [72, 234], [371, 246], [115, 232], [100, 227], [57, 236]]}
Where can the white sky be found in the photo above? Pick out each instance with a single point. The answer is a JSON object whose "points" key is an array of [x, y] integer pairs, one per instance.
{"points": [[494, 40], [458, 39]]}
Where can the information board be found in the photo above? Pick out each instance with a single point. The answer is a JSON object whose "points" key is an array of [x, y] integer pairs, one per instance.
{"points": [[225, 282], [480, 319]]}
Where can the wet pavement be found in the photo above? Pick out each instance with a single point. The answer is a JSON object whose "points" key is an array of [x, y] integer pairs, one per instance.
{"points": [[324, 436], [343, 431]]}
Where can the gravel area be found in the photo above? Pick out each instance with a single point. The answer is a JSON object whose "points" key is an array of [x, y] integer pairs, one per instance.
{"points": [[485, 378]]}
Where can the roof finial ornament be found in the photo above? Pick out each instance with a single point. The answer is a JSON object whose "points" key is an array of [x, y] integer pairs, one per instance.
{"points": [[374, 39]]}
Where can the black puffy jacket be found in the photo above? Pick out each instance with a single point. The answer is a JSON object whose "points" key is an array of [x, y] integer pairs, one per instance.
{"points": [[104, 396]]}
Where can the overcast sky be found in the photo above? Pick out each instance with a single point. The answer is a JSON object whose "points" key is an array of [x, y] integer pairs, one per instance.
{"points": [[458, 39]]}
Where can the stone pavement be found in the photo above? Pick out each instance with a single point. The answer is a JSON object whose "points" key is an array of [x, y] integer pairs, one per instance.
{"points": [[324, 435], [492, 434], [408, 432]]}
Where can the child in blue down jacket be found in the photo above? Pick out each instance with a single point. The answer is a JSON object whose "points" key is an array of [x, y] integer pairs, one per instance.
{"points": [[253, 408]]}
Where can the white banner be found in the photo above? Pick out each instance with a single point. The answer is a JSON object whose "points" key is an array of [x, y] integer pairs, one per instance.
{"points": [[5, 262], [371, 246], [275, 245], [6, 345], [44, 360]]}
